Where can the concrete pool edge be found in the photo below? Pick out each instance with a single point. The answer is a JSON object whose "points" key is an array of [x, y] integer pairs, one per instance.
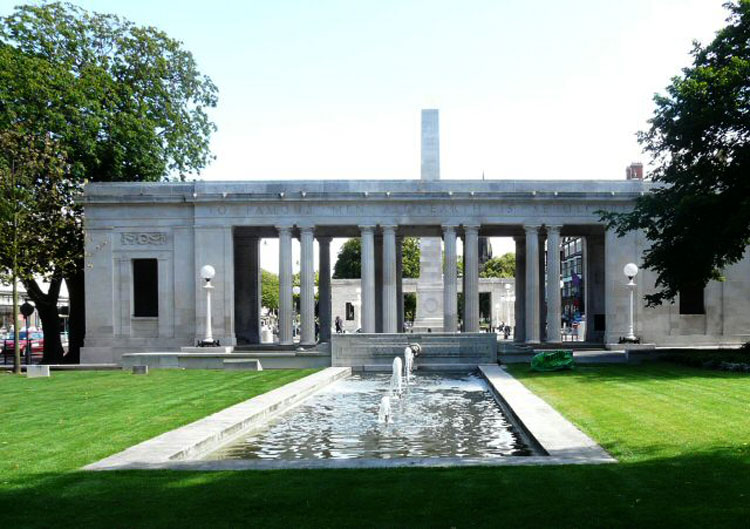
{"points": [[207, 434], [181, 449], [548, 429]]}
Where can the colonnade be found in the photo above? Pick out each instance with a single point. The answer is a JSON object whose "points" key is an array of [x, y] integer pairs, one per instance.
{"points": [[530, 293]]}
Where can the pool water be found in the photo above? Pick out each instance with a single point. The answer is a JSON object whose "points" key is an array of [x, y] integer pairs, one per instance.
{"points": [[437, 416]]}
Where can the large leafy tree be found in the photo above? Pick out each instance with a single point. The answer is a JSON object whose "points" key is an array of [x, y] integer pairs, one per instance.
{"points": [[269, 290], [410, 257], [503, 266], [37, 216], [698, 218], [125, 103], [349, 261]]}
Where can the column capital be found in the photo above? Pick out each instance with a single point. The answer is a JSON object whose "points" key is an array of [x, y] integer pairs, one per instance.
{"points": [[471, 227], [324, 240], [448, 228], [284, 228], [367, 227], [305, 228], [389, 227], [553, 227], [531, 228]]}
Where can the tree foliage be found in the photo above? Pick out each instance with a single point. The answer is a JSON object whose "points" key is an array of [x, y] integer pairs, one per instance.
{"points": [[269, 290], [126, 102], [349, 261], [503, 266], [698, 217], [123, 102], [411, 255], [37, 218]]}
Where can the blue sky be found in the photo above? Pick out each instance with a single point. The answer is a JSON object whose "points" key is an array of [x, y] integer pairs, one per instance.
{"points": [[333, 89]]}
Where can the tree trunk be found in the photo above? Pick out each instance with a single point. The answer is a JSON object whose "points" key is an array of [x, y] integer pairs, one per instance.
{"points": [[46, 306], [76, 315]]}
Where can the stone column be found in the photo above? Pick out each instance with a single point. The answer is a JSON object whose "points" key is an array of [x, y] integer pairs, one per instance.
{"points": [[399, 284], [307, 286], [390, 311], [378, 282], [285, 285], [519, 330], [542, 291], [532, 284], [368, 279], [553, 284], [450, 281], [471, 278], [324, 288]]}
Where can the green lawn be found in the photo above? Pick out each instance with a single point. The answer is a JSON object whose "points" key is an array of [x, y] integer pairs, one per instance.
{"points": [[682, 436]]}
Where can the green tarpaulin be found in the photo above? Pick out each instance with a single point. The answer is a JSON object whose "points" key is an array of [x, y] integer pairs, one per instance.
{"points": [[552, 360]]}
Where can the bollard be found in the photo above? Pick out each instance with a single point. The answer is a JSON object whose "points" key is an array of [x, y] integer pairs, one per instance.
{"points": [[37, 371]]}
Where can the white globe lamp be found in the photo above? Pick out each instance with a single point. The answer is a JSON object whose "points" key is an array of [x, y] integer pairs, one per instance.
{"points": [[630, 270], [207, 274]]}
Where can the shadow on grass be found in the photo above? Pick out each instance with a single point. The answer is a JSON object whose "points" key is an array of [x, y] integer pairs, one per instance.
{"points": [[696, 491]]}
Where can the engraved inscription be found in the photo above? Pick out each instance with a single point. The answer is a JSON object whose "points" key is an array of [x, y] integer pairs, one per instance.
{"points": [[133, 238]]}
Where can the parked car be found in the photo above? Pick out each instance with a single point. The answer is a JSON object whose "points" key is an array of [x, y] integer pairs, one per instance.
{"points": [[37, 345]]}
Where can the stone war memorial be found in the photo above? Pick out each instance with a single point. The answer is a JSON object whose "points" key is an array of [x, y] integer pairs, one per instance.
{"points": [[146, 244]]}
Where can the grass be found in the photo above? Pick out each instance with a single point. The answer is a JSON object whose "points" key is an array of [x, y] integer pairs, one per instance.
{"points": [[73, 418], [681, 436]]}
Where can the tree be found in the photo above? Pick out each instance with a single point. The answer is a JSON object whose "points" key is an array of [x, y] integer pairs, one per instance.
{"points": [[410, 306], [349, 261], [36, 213], [503, 266], [269, 290], [411, 255], [125, 103], [698, 218]]}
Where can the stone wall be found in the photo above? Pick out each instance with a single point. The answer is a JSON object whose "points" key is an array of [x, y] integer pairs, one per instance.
{"points": [[358, 350]]}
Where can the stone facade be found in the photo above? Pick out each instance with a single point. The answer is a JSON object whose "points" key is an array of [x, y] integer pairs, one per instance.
{"points": [[183, 226]]}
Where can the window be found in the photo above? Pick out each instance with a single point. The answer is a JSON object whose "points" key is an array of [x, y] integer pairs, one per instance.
{"points": [[691, 300], [145, 288], [349, 311]]}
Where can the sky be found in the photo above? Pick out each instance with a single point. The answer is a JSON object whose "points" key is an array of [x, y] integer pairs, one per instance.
{"points": [[542, 89]]}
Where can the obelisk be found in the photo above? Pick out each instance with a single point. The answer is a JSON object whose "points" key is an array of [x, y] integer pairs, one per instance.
{"points": [[430, 282]]}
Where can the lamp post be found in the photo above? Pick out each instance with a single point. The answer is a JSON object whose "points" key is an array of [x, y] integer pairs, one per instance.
{"points": [[27, 309], [630, 271], [207, 274]]}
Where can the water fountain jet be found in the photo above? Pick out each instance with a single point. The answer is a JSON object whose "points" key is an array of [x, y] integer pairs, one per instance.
{"points": [[384, 412], [396, 377], [408, 364]]}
